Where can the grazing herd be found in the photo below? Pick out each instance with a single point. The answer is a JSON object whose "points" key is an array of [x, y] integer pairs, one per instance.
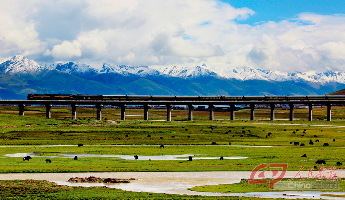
{"points": [[311, 142], [27, 158], [136, 157], [190, 158]]}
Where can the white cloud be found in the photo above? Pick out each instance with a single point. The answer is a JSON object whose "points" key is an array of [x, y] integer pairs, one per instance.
{"points": [[93, 43], [168, 32], [67, 50], [17, 30], [294, 46]]}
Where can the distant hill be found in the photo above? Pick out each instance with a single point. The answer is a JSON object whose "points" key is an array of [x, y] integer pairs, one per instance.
{"points": [[20, 76], [339, 92]]}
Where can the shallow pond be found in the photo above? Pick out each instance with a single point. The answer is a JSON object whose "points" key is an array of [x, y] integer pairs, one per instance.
{"points": [[175, 182], [126, 157]]}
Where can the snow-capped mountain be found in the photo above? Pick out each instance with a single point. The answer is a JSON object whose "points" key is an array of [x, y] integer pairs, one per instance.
{"points": [[185, 72], [73, 68], [247, 73], [129, 70], [20, 76], [21, 65]]}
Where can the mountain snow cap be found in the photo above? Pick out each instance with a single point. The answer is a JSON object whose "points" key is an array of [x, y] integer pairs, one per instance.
{"points": [[185, 72], [20, 65], [129, 70], [75, 68]]}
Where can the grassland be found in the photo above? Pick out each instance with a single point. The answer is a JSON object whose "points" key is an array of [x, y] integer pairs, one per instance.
{"points": [[110, 136], [244, 187], [255, 156], [31, 189], [34, 129], [27, 134]]}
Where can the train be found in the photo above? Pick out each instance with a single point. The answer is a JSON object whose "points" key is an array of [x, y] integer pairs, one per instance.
{"points": [[179, 98]]}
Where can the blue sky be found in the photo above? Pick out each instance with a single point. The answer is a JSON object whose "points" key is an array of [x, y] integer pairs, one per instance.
{"points": [[281, 35], [277, 10]]}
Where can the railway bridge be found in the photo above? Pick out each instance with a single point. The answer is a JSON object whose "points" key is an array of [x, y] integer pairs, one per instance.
{"points": [[190, 103]]}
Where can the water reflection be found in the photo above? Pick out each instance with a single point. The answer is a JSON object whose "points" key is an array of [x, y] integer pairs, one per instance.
{"points": [[16, 155], [127, 157], [175, 182]]}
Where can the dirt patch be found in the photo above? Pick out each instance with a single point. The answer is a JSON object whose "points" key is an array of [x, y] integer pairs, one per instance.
{"points": [[93, 179], [9, 127]]}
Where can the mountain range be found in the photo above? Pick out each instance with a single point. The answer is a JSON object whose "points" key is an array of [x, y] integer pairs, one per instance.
{"points": [[20, 76]]}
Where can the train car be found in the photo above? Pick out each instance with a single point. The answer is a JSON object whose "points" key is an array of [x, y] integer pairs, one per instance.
{"points": [[279, 98], [87, 97], [189, 98], [335, 97], [232, 98], [115, 97], [181, 98], [49, 97], [126, 97], [252, 98], [302, 98]]}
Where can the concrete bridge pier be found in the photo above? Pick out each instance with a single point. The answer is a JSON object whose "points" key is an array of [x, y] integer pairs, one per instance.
{"points": [[74, 111], [169, 108], [211, 109], [252, 111], [123, 112], [99, 111], [21, 109], [146, 112], [232, 111], [310, 112], [291, 116], [190, 112], [48, 111], [329, 112], [272, 116]]}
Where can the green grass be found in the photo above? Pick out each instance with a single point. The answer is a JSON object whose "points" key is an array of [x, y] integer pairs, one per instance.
{"points": [[107, 137], [32, 189], [256, 156], [32, 130], [244, 187], [183, 137], [333, 195]]}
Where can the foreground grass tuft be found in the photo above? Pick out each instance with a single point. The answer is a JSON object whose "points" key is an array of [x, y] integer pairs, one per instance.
{"points": [[32, 189], [244, 187]]}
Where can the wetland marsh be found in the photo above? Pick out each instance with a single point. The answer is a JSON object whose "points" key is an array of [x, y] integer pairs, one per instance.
{"points": [[97, 142]]}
